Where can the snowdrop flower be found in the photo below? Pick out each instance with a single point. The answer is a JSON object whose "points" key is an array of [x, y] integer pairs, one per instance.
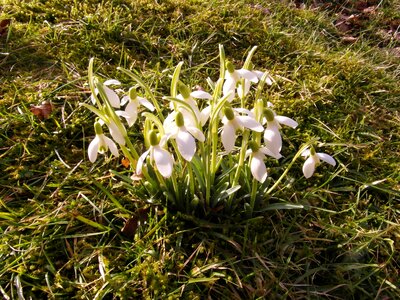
{"points": [[184, 135], [162, 158], [189, 97], [257, 165], [232, 123], [101, 144], [243, 90], [111, 95], [131, 110], [272, 136], [232, 77], [313, 160], [117, 133]]}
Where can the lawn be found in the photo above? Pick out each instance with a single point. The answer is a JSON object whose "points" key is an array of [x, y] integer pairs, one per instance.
{"points": [[71, 228]]}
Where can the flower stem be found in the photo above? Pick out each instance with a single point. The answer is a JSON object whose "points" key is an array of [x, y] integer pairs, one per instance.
{"points": [[242, 156]]}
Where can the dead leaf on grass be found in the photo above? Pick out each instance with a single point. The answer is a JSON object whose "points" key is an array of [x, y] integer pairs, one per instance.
{"points": [[133, 223], [4, 24], [43, 110], [349, 39]]}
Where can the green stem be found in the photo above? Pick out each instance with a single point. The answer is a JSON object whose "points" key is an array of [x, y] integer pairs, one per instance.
{"points": [[242, 157], [290, 165]]}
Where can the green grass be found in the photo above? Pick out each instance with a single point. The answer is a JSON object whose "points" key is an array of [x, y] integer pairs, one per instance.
{"points": [[61, 216]]}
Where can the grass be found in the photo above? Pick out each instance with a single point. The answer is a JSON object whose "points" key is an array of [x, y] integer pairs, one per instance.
{"points": [[61, 217]]}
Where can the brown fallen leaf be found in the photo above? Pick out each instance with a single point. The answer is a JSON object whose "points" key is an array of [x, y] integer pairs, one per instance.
{"points": [[349, 39], [4, 24], [43, 110], [133, 223], [125, 162]]}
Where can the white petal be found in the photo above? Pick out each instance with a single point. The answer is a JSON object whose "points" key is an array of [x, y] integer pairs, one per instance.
{"points": [[228, 137], [116, 133], [193, 105], [259, 74], [250, 123], [305, 152], [93, 99], [249, 75], [244, 111], [140, 162], [201, 95], [243, 92], [146, 103], [112, 97], [229, 85], [327, 158], [273, 139], [204, 115], [286, 121], [309, 167], [93, 149], [269, 152], [258, 168], [112, 82], [125, 99], [197, 133], [164, 161], [186, 145], [111, 145]]}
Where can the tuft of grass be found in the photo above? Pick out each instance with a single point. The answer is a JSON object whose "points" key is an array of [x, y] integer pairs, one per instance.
{"points": [[61, 217]]}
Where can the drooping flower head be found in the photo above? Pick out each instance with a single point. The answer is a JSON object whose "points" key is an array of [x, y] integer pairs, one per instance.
{"points": [[232, 77], [232, 122], [163, 159], [313, 160], [112, 96], [175, 128], [189, 97], [272, 136], [257, 155], [101, 144], [131, 110]]}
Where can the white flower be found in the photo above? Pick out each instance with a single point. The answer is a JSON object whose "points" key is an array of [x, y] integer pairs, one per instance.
{"points": [[189, 98], [184, 135], [111, 95], [243, 90], [162, 158], [131, 110], [272, 136], [232, 77], [257, 165], [118, 134], [233, 122], [101, 144], [313, 160]]}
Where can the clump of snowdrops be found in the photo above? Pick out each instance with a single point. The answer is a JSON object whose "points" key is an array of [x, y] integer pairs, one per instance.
{"points": [[199, 150]]}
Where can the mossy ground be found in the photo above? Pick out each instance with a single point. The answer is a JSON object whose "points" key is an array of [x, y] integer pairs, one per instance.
{"points": [[61, 229]]}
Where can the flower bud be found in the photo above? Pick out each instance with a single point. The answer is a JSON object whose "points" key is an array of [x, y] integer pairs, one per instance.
{"points": [[153, 138], [184, 90], [253, 146], [97, 128], [179, 119], [230, 67], [132, 93], [269, 114], [228, 112], [312, 151]]}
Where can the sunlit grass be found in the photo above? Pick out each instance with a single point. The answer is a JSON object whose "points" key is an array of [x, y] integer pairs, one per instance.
{"points": [[61, 217]]}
